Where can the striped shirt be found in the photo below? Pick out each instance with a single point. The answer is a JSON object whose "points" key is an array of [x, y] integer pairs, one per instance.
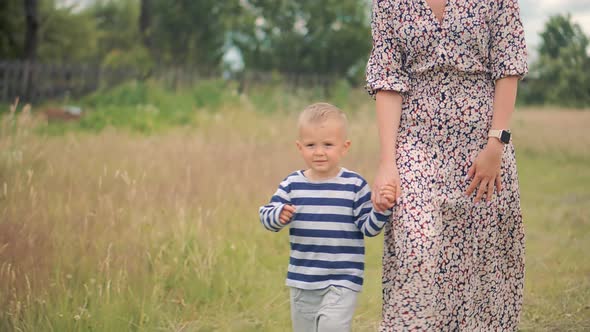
{"points": [[327, 229]]}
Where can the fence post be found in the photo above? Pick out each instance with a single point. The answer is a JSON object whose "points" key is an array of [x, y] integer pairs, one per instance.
{"points": [[4, 69]]}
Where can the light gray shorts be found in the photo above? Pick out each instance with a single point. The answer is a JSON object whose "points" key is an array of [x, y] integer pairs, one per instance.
{"points": [[322, 310]]}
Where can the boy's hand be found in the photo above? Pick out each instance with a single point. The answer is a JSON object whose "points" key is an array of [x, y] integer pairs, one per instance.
{"points": [[286, 214], [388, 194]]}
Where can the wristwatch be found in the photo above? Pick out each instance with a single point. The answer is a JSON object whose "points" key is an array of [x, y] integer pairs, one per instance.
{"points": [[502, 134]]}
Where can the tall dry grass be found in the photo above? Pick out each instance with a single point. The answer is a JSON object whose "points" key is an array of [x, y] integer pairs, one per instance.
{"points": [[118, 231]]}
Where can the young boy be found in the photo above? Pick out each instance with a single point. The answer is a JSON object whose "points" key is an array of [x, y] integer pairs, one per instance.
{"points": [[329, 211]]}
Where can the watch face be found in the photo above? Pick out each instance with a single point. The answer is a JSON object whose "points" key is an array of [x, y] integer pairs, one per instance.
{"points": [[505, 137]]}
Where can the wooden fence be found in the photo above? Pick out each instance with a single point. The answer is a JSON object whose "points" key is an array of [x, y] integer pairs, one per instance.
{"points": [[34, 82], [41, 81]]}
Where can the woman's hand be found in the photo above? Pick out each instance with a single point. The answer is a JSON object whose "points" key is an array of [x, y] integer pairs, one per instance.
{"points": [[387, 174], [388, 195], [485, 171]]}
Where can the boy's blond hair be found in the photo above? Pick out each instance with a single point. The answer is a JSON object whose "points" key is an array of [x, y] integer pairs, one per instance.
{"points": [[320, 112]]}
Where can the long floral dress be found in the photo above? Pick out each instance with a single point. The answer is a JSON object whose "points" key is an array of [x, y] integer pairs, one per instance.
{"points": [[449, 264]]}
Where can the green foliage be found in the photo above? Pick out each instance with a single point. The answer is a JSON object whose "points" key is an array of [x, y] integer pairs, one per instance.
{"points": [[561, 34], [138, 59], [303, 36], [116, 22], [560, 76], [212, 94], [11, 25], [191, 32], [329, 37], [146, 107], [139, 106], [65, 35]]}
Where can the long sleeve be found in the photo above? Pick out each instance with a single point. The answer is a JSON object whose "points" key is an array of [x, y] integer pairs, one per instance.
{"points": [[385, 69], [367, 219], [508, 55], [269, 213]]}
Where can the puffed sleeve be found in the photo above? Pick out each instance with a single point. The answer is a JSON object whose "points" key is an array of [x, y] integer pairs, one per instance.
{"points": [[385, 68], [508, 55]]}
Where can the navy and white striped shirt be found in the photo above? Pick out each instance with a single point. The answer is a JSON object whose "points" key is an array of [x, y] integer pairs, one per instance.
{"points": [[327, 230]]}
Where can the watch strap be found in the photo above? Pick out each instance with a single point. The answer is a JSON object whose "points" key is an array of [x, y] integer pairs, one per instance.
{"points": [[503, 135], [497, 133]]}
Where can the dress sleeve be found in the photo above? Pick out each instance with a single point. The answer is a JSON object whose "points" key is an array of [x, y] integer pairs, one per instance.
{"points": [[385, 68], [508, 55]]}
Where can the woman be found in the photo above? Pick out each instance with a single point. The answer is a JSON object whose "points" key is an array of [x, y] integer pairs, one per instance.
{"points": [[444, 75]]}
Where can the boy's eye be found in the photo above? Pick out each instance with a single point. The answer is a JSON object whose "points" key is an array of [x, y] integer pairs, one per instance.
{"points": [[310, 145]]}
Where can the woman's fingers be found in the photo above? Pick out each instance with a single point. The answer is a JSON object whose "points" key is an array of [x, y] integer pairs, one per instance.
{"points": [[470, 172], [473, 185], [389, 198], [391, 189], [498, 183], [483, 186], [378, 200], [376, 197], [490, 192]]}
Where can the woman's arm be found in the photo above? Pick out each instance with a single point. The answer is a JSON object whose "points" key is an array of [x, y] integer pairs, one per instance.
{"points": [[504, 100], [486, 168], [389, 109]]}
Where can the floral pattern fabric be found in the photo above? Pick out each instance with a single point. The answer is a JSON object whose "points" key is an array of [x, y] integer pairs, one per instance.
{"points": [[449, 264]]}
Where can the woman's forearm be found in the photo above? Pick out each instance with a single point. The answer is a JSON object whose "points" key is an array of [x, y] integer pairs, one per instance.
{"points": [[389, 110], [504, 99]]}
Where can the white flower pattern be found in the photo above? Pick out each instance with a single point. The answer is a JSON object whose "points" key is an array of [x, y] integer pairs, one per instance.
{"points": [[448, 264]]}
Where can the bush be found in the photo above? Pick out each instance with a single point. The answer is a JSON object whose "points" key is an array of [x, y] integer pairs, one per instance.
{"points": [[137, 59]]}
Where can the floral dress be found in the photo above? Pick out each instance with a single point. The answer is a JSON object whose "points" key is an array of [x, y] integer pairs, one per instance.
{"points": [[449, 264]]}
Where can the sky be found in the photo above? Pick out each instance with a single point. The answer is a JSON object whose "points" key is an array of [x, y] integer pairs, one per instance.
{"points": [[534, 14]]}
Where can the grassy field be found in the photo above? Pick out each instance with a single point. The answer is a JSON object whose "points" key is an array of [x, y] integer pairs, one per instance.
{"points": [[118, 231]]}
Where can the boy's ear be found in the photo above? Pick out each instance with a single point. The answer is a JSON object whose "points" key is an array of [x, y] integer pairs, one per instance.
{"points": [[298, 144], [347, 144]]}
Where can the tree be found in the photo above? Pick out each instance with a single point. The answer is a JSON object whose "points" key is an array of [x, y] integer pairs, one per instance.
{"points": [[66, 35], [562, 68], [32, 28], [145, 16], [306, 36], [42, 31], [116, 24], [11, 23], [189, 32]]}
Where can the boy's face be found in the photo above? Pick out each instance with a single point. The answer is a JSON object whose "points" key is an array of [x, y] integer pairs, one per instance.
{"points": [[322, 145]]}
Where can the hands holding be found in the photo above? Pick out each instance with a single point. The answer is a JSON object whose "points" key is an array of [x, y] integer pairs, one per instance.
{"points": [[386, 189], [388, 195], [286, 214]]}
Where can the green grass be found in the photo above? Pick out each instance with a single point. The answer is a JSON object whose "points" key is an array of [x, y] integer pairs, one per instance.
{"points": [[556, 208], [112, 231], [149, 107]]}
